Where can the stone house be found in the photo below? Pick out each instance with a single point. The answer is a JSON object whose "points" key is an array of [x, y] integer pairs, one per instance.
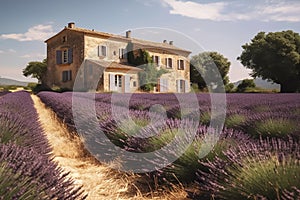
{"points": [[98, 60]]}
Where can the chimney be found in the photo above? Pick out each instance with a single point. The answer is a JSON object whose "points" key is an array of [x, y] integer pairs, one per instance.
{"points": [[71, 25], [171, 43], [165, 41], [128, 34]]}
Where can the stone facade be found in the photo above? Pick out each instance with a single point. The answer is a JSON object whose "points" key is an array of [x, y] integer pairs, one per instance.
{"points": [[99, 61]]}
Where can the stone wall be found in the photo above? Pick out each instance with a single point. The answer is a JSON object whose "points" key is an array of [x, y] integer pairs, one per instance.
{"points": [[133, 78], [66, 39], [174, 73], [113, 46]]}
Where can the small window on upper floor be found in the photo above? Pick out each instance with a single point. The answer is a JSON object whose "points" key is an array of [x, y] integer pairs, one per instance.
{"points": [[102, 50], [156, 60], [64, 38], [64, 56], [169, 63], [122, 53], [180, 64]]}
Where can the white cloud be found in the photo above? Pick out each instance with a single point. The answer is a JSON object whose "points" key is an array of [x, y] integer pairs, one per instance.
{"points": [[12, 51], [282, 11], [39, 32], [8, 51], [210, 11], [37, 56], [266, 10]]}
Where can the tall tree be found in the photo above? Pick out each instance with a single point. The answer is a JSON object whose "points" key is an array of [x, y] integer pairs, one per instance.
{"points": [[275, 57], [209, 68], [36, 69]]}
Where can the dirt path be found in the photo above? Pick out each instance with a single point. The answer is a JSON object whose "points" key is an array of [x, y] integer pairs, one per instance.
{"points": [[99, 181]]}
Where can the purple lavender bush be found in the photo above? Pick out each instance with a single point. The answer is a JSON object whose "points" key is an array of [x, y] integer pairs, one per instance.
{"points": [[26, 174], [26, 167], [268, 169], [19, 122]]}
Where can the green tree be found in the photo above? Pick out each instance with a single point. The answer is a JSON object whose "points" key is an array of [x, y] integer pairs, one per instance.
{"points": [[36, 69], [275, 57], [210, 68], [138, 57], [149, 76], [246, 84]]}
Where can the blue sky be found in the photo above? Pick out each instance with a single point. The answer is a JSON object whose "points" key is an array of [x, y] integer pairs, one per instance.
{"points": [[216, 25]]}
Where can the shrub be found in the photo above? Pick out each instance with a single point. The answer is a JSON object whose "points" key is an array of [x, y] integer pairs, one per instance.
{"points": [[235, 121], [264, 170], [246, 84], [25, 174], [272, 127]]}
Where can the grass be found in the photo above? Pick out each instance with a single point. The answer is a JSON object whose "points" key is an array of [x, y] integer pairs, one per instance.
{"points": [[272, 127], [235, 121], [257, 178]]}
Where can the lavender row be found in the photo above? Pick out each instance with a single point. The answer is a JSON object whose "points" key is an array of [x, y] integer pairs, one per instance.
{"points": [[27, 169], [20, 124]]}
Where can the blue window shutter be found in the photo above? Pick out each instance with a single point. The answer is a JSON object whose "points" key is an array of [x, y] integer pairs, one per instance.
{"points": [[112, 82], [186, 84], [70, 75], [127, 83], [70, 55], [64, 76], [58, 57]]}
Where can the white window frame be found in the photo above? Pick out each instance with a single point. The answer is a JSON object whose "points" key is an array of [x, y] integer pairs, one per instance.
{"points": [[122, 52], [64, 56], [118, 80], [101, 52], [179, 67], [168, 63], [158, 60]]}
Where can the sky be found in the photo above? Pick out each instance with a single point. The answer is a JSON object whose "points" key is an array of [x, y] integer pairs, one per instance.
{"points": [[202, 25]]}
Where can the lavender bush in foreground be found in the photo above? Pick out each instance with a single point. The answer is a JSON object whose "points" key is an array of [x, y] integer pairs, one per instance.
{"points": [[19, 122], [26, 169], [268, 169], [25, 174]]}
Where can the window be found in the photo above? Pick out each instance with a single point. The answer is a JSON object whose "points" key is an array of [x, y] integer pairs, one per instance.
{"points": [[67, 75], [169, 62], [118, 80], [102, 50], [134, 83], [181, 86], [156, 60], [64, 56], [122, 53], [64, 38], [180, 64]]}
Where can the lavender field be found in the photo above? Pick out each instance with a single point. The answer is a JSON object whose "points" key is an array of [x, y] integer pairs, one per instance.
{"points": [[26, 167], [255, 156]]}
